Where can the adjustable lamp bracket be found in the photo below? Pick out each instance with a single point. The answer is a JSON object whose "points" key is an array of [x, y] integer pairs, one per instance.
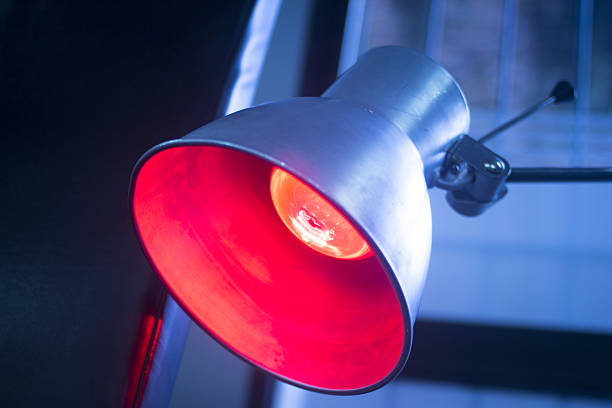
{"points": [[473, 175]]}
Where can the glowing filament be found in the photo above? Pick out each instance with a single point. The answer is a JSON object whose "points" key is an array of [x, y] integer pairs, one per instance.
{"points": [[313, 220]]}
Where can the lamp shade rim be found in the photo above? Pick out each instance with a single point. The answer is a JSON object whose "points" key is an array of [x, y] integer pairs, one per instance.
{"points": [[407, 316]]}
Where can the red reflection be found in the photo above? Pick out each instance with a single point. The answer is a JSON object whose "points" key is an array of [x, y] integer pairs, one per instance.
{"points": [[313, 220], [205, 217], [141, 361]]}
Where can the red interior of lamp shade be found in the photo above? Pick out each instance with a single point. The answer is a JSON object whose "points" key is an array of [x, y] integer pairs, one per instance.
{"points": [[207, 220]]}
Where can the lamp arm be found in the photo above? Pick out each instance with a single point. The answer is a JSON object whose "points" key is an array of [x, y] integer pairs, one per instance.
{"points": [[475, 177], [518, 118], [559, 174], [562, 92]]}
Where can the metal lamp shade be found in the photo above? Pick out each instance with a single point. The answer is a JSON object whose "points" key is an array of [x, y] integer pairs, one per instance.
{"points": [[203, 211]]}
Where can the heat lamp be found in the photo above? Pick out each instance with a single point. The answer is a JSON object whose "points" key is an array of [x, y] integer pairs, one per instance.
{"points": [[298, 233]]}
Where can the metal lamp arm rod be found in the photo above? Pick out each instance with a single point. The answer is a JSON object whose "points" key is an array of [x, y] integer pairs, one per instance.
{"points": [[475, 177], [559, 174], [562, 92]]}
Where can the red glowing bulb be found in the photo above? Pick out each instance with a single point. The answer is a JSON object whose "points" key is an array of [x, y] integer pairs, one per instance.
{"points": [[313, 220]]}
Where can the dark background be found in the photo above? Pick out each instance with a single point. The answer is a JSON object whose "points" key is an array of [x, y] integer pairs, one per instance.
{"points": [[85, 89]]}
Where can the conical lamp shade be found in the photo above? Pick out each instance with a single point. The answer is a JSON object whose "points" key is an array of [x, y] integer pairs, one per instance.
{"points": [[297, 234]]}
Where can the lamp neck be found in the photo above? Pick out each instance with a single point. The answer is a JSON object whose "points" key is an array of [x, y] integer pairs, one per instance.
{"points": [[412, 91]]}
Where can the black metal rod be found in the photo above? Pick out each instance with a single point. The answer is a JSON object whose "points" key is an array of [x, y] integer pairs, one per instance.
{"points": [[562, 92], [523, 115], [559, 174]]}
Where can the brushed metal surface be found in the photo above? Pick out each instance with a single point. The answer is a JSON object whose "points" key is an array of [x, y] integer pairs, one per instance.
{"points": [[364, 164], [412, 91]]}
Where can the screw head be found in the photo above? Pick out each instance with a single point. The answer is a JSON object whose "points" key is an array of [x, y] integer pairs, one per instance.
{"points": [[493, 165]]}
